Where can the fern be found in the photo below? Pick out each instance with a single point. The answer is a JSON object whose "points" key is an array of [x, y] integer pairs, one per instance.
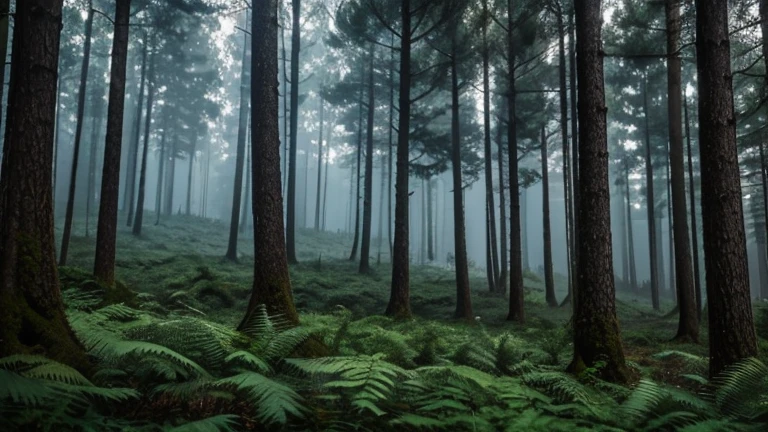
{"points": [[562, 386], [697, 363], [24, 391], [248, 360], [743, 390], [219, 423], [274, 401]]}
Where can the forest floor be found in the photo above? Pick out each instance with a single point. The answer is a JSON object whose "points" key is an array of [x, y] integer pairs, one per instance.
{"points": [[188, 298], [180, 264]]}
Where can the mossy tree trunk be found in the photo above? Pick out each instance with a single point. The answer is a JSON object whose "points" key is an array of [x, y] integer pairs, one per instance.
{"points": [[731, 327], [595, 326], [271, 282], [104, 265], [32, 318]]}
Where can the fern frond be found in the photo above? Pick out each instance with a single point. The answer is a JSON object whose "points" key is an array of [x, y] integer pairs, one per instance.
{"points": [[22, 390], [643, 400], [562, 386], [281, 344], [219, 423], [123, 348], [248, 360], [54, 371], [21, 362], [697, 363], [743, 389], [275, 401]]}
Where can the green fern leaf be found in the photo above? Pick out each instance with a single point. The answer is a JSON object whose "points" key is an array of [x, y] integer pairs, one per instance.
{"points": [[24, 391], [248, 360], [219, 423], [275, 401]]}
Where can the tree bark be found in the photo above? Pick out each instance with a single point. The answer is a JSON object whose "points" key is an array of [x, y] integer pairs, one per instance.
{"points": [[461, 261], [325, 182], [160, 178], [501, 288], [688, 325], [192, 153], [430, 222], [356, 199], [4, 21], [365, 249], [96, 122], [133, 151], [630, 231], [574, 165], [271, 281], [319, 167], [549, 274], [234, 221], [104, 264], [650, 203], [694, 227], [399, 299], [170, 176], [516, 307], [595, 326], [247, 195], [33, 319], [78, 137], [290, 237], [731, 327], [390, 141], [147, 125], [563, 93], [488, 156]]}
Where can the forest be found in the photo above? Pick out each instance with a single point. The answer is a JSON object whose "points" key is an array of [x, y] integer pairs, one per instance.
{"points": [[384, 215]]}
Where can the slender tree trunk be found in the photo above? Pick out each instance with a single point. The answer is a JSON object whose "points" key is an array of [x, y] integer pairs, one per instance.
{"points": [[170, 177], [624, 248], [390, 149], [147, 125], [731, 326], [290, 237], [56, 137], [501, 288], [104, 263], [305, 191], [595, 327], [488, 155], [694, 227], [325, 186], [365, 249], [516, 307], [688, 325], [245, 81], [763, 10], [488, 253], [4, 15], [399, 299], [563, 93], [319, 167], [630, 231], [650, 203], [423, 227], [271, 281], [286, 91], [355, 202], [33, 320], [247, 195], [574, 165], [382, 188], [670, 230], [192, 152], [762, 245], [133, 150], [160, 178], [90, 193], [78, 137], [463, 292], [430, 223], [549, 274]]}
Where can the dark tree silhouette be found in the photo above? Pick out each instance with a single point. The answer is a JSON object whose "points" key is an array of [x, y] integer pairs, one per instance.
{"points": [[32, 318], [731, 328], [365, 247], [290, 237], [549, 274]]}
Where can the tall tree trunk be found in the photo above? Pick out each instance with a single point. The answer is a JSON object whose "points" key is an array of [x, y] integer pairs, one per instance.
{"points": [[104, 263], [463, 292], [488, 253], [78, 137], [688, 325], [242, 129], [271, 281], [430, 224], [423, 227], [147, 125], [563, 94], [382, 188], [365, 249], [319, 167], [192, 153], [595, 327], [160, 178], [501, 288], [731, 327], [624, 248], [516, 307], [33, 319], [390, 141], [670, 230], [524, 227], [549, 274], [630, 230], [355, 202], [290, 237], [399, 298], [762, 245], [133, 150], [170, 177], [574, 165], [90, 193], [763, 10], [488, 155], [4, 15], [325, 186], [650, 203], [247, 195], [694, 227]]}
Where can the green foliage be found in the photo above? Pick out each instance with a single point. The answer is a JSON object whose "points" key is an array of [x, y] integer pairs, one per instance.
{"points": [[275, 401]]}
